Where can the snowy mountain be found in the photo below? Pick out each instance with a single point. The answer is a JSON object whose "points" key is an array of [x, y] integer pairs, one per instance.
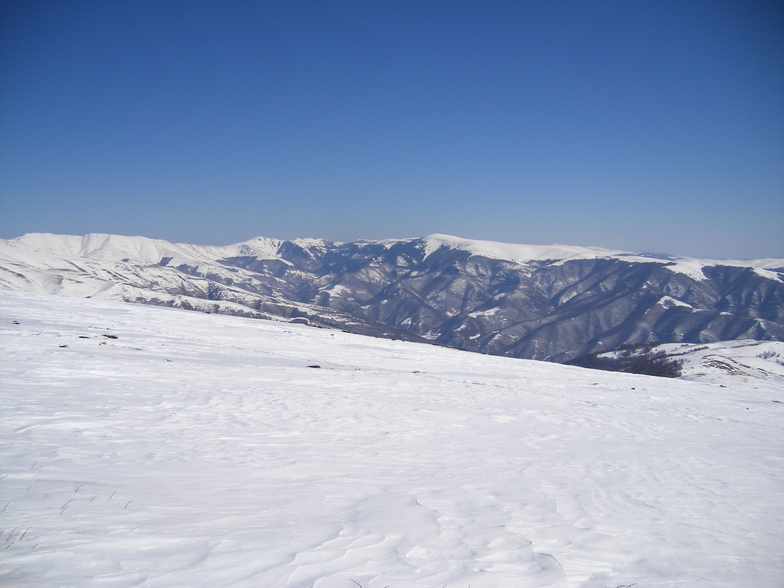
{"points": [[149, 446], [730, 361], [726, 362], [542, 302]]}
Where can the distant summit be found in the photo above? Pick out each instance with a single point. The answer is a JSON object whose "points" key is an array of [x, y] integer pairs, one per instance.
{"points": [[553, 302]]}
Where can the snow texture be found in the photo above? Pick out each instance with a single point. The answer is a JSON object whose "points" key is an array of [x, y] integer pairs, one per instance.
{"points": [[561, 253], [155, 447], [745, 361]]}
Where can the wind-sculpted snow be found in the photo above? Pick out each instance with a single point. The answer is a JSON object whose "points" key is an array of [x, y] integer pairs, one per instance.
{"points": [[543, 302], [147, 446]]}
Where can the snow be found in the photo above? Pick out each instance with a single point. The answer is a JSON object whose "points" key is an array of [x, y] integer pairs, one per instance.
{"points": [[669, 302], [338, 289], [488, 312], [146, 446], [95, 264], [112, 266], [308, 243], [263, 247], [768, 274], [142, 250], [690, 267], [559, 254], [514, 252], [731, 362]]}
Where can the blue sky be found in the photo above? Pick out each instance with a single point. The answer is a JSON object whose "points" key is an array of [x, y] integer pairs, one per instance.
{"points": [[638, 125]]}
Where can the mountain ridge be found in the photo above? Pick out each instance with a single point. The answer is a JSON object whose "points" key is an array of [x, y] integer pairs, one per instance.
{"points": [[433, 240], [553, 302]]}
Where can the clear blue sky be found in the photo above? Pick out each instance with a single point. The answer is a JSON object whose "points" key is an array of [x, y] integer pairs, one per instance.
{"points": [[639, 125]]}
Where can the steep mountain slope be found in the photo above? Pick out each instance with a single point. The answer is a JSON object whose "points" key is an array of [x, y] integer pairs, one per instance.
{"points": [[553, 303], [149, 446]]}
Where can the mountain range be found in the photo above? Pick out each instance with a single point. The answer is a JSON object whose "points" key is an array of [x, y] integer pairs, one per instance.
{"points": [[553, 303]]}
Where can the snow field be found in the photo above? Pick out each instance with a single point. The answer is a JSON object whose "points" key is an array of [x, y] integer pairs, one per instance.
{"points": [[202, 450]]}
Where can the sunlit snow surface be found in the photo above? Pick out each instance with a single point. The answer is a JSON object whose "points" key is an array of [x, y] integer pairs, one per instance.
{"points": [[201, 450]]}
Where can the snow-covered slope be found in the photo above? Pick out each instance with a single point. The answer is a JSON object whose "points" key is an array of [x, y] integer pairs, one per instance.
{"points": [[151, 271], [156, 447], [139, 250], [562, 253], [730, 362], [69, 265], [556, 302]]}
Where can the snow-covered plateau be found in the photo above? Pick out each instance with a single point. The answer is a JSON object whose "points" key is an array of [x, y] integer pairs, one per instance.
{"points": [[147, 446]]}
